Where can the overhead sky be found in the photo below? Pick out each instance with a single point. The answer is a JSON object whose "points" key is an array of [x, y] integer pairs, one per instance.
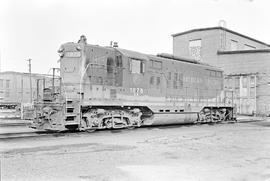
{"points": [[36, 28]]}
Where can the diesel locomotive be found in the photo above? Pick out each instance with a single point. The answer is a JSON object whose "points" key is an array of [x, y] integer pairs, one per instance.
{"points": [[110, 87]]}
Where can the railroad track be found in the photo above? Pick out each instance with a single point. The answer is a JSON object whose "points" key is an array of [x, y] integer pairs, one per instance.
{"points": [[23, 135], [35, 134], [14, 124]]}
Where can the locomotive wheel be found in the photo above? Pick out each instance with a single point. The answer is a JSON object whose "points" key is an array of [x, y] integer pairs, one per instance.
{"points": [[130, 126], [207, 118], [212, 116], [84, 123], [87, 125], [108, 123], [110, 119]]}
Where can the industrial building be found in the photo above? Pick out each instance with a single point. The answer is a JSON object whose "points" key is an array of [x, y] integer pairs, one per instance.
{"points": [[245, 61], [15, 87]]}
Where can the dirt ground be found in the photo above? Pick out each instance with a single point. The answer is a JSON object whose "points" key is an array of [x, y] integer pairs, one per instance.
{"points": [[223, 152]]}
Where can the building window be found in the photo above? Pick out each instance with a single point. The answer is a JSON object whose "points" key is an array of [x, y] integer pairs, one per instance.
{"points": [[244, 86], [169, 75], [244, 82], [252, 92], [175, 79], [7, 83], [212, 73], [237, 92], [180, 81], [187, 79], [7, 94], [218, 74], [228, 82], [1, 83], [175, 76], [237, 82], [137, 66], [234, 45], [252, 81], [152, 80], [158, 81], [195, 49]]}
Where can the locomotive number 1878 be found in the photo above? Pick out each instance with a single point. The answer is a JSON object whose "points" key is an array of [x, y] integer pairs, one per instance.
{"points": [[136, 91]]}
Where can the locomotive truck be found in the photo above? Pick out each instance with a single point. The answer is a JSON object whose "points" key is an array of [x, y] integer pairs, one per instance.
{"points": [[110, 87]]}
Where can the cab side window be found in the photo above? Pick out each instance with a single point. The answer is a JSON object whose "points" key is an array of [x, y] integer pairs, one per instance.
{"points": [[110, 65], [137, 66]]}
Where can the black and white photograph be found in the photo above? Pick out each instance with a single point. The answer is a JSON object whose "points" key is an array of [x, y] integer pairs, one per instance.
{"points": [[134, 90]]}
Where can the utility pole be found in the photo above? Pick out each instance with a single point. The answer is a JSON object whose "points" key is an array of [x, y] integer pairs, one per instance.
{"points": [[30, 78], [53, 89], [22, 89]]}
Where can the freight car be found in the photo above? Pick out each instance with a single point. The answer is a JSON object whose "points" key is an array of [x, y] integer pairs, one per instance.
{"points": [[110, 87]]}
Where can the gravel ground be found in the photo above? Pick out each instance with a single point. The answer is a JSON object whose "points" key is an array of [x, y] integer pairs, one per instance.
{"points": [[231, 152]]}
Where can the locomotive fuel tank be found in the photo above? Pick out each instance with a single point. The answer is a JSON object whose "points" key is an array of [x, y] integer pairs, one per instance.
{"points": [[172, 119]]}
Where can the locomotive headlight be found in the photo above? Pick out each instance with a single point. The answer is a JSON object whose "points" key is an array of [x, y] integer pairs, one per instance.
{"points": [[78, 48], [61, 49], [61, 54]]}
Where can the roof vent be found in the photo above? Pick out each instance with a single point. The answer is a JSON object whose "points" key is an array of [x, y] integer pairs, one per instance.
{"points": [[83, 39], [115, 44], [222, 23]]}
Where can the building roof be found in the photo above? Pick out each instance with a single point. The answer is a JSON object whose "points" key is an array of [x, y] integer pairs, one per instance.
{"points": [[23, 73], [218, 28], [243, 51]]}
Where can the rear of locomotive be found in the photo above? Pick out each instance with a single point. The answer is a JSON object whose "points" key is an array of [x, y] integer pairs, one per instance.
{"points": [[219, 107], [193, 93]]}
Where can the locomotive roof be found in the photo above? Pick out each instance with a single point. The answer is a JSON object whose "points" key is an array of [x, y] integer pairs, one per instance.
{"points": [[132, 54], [163, 56], [185, 61]]}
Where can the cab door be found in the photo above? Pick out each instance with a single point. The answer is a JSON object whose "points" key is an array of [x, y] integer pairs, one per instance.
{"points": [[119, 71]]}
